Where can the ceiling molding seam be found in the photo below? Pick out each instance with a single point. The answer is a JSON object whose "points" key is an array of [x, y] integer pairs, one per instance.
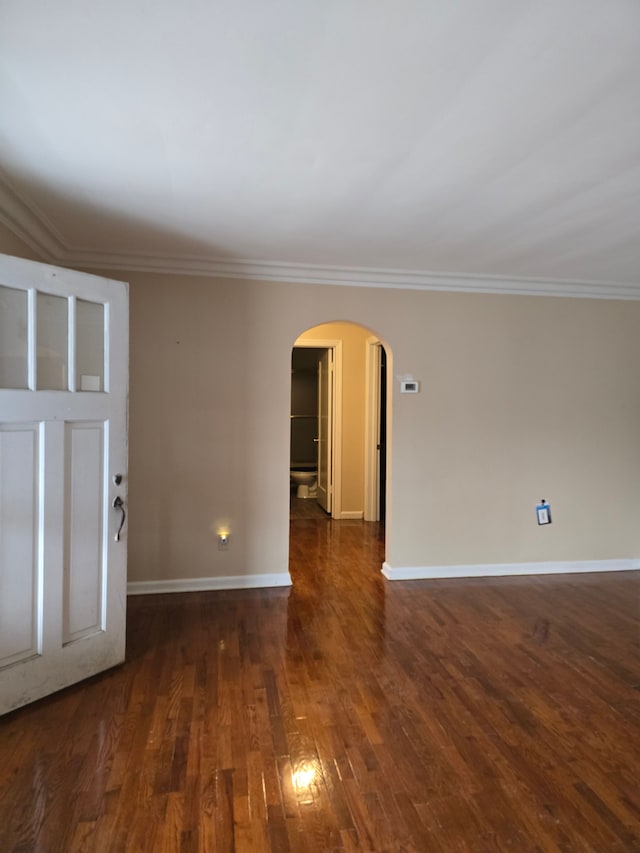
{"points": [[30, 224]]}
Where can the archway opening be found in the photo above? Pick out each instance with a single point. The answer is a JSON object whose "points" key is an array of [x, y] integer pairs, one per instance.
{"points": [[339, 423]]}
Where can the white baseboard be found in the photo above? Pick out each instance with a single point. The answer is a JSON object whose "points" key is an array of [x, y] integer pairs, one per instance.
{"points": [[356, 515], [206, 584], [410, 573]]}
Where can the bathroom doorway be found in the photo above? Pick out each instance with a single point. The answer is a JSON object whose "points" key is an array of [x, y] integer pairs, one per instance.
{"points": [[338, 422], [316, 368]]}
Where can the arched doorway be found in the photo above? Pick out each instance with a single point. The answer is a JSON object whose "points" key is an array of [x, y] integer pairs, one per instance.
{"points": [[339, 407]]}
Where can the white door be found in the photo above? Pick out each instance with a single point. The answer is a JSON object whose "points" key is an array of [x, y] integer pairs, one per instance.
{"points": [[325, 429], [63, 446]]}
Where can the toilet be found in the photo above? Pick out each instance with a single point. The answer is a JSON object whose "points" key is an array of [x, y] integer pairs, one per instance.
{"points": [[305, 477]]}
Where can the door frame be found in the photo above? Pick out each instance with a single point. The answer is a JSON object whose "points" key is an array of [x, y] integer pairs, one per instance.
{"points": [[336, 420], [373, 363]]}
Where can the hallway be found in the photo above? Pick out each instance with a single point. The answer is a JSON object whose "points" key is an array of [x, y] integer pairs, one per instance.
{"points": [[345, 713]]}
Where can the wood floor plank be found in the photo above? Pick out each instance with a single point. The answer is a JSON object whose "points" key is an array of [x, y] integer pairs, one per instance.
{"points": [[345, 713]]}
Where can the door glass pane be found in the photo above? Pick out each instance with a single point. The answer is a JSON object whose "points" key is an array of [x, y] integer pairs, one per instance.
{"points": [[89, 346], [13, 338], [52, 323]]}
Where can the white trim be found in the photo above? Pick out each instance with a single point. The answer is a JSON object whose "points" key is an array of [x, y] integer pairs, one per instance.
{"points": [[352, 276], [351, 515], [408, 573], [336, 438], [30, 224], [372, 430], [207, 584]]}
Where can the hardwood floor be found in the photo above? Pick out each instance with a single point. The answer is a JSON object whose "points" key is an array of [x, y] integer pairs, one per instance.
{"points": [[306, 508], [347, 713]]}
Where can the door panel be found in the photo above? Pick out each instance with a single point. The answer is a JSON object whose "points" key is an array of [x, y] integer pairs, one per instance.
{"points": [[19, 601], [325, 429], [89, 345], [372, 432], [53, 342], [83, 564], [63, 437], [14, 364]]}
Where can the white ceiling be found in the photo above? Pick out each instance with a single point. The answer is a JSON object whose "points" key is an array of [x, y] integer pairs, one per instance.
{"points": [[410, 142]]}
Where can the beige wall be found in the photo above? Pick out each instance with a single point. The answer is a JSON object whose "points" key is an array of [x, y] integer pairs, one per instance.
{"points": [[353, 340], [522, 398]]}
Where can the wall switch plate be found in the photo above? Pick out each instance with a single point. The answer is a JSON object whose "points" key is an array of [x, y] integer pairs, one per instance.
{"points": [[409, 386]]}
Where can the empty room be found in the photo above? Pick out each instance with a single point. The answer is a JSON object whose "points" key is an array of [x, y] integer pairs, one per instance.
{"points": [[319, 426]]}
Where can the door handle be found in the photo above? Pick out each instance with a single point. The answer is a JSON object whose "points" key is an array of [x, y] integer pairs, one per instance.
{"points": [[118, 503]]}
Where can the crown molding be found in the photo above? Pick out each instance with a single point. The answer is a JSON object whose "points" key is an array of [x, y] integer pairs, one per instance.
{"points": [[30, 224], [358, 276]]}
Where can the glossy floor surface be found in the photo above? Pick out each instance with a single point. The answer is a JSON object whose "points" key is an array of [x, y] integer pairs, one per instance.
{"points": [[345, 713]]}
